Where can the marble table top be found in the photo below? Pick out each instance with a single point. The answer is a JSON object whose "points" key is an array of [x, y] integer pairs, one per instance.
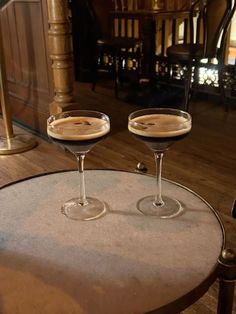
{"points": [[123, 262]]}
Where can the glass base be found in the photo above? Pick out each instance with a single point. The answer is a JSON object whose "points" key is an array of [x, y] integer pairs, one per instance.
{"points": [[92, 210], [170, 209]]}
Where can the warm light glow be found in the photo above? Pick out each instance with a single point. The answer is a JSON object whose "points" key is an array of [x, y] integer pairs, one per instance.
{"points": [[208, 76]]}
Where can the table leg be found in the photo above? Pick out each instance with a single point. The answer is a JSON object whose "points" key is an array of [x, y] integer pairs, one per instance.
{"points": [[227, 278]]}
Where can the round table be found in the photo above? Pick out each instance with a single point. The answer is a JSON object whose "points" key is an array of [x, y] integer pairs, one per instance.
{"points": [[123, 262]]}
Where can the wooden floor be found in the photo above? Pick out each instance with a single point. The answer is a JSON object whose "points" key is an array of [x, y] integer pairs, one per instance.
{"points": [[205, 161]]}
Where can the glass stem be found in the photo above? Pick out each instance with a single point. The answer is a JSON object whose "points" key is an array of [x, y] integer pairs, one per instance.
{"points": [[158, 159], [82, 195]]}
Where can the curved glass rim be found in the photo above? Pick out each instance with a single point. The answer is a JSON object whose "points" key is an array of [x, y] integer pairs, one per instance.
{"points": [[151, 111], [84, 113]]}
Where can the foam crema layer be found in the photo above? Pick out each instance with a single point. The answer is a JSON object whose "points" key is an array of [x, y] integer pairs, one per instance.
{"points": [[78, 128], [159, 125]]}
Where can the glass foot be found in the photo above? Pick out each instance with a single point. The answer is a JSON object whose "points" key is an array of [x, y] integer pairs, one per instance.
{"points": [[74, 210], [170, 209]]}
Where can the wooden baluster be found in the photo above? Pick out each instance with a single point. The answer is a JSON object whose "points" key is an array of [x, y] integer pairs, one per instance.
{"points": [[60, 50], [163, 37], [127, 27], [123, 5], [173, 32], [199, 30], [186, 33], [116, 6]]}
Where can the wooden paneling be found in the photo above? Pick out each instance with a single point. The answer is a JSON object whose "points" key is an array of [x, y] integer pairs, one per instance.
{"points": [[25, 27]]}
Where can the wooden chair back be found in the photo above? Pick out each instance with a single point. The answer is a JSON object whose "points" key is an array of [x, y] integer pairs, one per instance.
{"points": [[212, 21]]}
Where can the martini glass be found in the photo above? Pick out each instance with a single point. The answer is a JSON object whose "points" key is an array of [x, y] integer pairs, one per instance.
{"points": [[78, 131], [159, 128]]}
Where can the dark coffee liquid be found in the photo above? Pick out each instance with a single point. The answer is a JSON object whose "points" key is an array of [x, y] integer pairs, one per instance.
{"points": [[78, 146], [159, 143]]}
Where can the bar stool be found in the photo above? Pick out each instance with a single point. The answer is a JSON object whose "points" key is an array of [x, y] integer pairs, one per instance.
{"points": [[116, 48]]}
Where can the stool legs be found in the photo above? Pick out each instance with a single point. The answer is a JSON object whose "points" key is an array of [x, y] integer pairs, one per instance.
{"points": [[187, 86], [221, 85], [116, 66], [116, 69], [95, 68], [94, 79]]}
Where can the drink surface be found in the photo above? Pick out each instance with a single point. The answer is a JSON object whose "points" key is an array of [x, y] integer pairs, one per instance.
{"points": [[159, 125], [78, 128]]}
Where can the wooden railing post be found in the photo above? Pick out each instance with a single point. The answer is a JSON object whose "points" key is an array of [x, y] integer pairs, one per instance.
{"points": [[60, 51]]}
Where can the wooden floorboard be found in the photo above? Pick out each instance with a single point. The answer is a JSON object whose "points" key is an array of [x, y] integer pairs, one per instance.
{"points": [[205, 161]]}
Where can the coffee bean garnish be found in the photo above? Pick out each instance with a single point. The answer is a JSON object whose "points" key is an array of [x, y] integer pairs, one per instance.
{"points": [[83, 122]]}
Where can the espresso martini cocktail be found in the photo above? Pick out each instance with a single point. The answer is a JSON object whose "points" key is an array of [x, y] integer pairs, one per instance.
{"points": [[79, 131], [159, 128]]}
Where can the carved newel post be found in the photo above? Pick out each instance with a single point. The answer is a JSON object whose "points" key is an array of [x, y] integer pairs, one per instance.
{"points": [[60, 50]]}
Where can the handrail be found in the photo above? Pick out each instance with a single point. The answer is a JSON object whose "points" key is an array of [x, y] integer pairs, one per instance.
{"points": [[149, 13]]}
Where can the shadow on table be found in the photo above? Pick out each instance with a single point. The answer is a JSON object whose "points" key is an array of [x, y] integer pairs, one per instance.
{"points": [[36, 285]]}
